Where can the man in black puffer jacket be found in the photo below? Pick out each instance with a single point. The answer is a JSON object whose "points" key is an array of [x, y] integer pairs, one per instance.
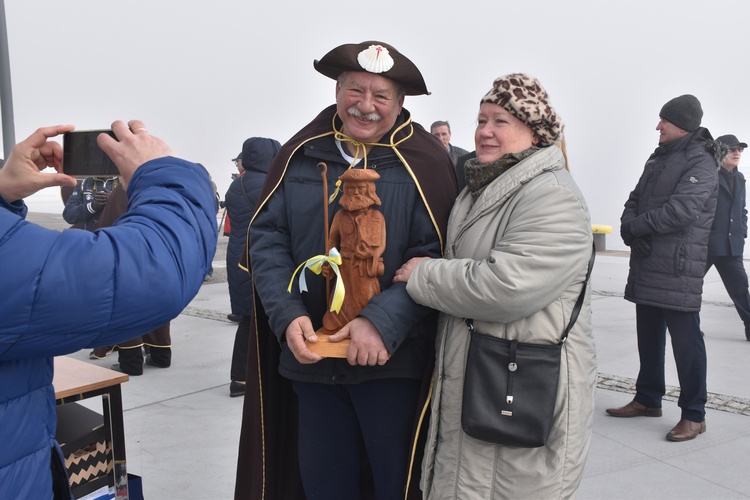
{"points": [[666, 223]]}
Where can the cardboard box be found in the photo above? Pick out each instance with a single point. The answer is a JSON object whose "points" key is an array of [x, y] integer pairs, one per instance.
{"points": [[86, 448]]}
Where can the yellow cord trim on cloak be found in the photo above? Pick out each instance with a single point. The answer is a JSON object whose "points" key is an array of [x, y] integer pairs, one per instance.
{"points": [[262, 413], [362, 146], [281, 178], [315, 264], [340, 136], [424, 198], [263, 202], [422, 421]]}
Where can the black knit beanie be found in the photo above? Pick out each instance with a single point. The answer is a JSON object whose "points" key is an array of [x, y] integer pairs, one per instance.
{"points": [[684, 111]]}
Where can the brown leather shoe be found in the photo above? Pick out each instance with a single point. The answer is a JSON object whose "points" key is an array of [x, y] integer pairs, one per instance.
{"points": [[634, 409], [685, 430]]}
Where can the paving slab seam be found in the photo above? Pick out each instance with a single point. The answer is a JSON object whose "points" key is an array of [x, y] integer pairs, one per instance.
{"points": [[173, 398], [199, 312], [721, 402]]}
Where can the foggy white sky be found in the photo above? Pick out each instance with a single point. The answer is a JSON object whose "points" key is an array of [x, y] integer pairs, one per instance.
{"points": [[204, 76]]}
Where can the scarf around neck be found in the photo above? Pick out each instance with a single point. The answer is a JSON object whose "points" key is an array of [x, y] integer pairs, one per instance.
{"points": [[479, 176]]}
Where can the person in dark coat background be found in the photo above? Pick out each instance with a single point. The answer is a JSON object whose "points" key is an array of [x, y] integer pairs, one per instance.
{"points": [[726, 243], [240, 201]]}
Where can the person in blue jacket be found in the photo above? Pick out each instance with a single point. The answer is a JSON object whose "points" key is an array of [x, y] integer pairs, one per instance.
{"points": [[142, 272]]}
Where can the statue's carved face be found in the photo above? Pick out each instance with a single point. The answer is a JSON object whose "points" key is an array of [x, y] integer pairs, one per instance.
{"points": [[358, 195]]}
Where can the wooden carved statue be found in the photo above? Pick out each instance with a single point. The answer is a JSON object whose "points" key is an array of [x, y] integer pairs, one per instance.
{"points": [[358, 232], [354, 246]]}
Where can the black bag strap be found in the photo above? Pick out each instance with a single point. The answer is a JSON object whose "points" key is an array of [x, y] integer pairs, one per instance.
{"points": [[576, 307], [579, 302]]}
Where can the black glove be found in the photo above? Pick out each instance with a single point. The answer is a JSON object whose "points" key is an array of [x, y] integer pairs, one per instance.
{"points": [[641, 246], [100, 200], [627, 236]]}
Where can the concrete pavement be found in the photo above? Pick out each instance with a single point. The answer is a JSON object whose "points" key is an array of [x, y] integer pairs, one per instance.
{"points": [[630, 458], [182, 427]]}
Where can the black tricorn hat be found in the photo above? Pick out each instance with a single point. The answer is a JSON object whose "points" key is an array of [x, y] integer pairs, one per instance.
{"points": [[373, 57]]}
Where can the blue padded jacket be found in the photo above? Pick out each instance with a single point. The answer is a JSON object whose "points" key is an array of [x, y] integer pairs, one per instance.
{"points": [[141, 273]]}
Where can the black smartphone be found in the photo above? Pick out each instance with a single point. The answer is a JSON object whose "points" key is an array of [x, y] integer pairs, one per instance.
{"points": [[82, 156]]}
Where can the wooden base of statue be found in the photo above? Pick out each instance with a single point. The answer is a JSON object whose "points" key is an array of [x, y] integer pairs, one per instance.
{"points": [[326, 348]]}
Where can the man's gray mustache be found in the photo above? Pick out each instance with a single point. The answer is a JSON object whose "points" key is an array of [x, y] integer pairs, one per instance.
{"points": [[373, 117]]}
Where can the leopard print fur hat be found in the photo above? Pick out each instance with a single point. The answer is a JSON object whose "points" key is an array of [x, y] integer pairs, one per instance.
{"points": [[524, 97]]}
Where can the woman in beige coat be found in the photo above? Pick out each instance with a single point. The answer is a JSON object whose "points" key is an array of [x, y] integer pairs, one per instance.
{"points": [[518, 245]]}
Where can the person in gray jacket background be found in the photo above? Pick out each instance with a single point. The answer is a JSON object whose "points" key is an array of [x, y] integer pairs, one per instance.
{"points": [[666, 223]]}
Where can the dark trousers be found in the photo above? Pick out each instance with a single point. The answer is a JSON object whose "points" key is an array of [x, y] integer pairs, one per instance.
{"points": [[734, 277], [158, 342], [238, 371], [689, 354], [341, 427], [131, 359]]}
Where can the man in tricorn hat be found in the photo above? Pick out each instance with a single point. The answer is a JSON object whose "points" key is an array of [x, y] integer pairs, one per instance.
{"points": [[340, 428]]}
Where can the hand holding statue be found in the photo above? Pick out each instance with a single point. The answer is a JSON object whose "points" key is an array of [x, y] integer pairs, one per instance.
{"points": [[366, 347], [299, 332]]}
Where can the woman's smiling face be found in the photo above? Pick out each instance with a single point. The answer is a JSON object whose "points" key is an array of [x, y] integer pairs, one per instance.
{"points": [[499, 133]]}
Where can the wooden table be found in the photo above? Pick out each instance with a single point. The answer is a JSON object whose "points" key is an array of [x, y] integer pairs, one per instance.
{"points": [[77, 380]]}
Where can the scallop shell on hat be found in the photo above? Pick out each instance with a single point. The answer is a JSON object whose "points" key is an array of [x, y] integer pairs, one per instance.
{"points": [[375, 59]]}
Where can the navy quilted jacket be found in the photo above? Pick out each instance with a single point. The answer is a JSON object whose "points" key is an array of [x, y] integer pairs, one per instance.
{"points": [[673, 205]]}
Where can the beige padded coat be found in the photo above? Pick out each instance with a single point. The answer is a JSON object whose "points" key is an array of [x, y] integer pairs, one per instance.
{"points": [[515, 261]]}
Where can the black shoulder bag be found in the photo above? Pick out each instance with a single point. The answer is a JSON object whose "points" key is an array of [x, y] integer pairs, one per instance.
{"points": [[510, 387]]}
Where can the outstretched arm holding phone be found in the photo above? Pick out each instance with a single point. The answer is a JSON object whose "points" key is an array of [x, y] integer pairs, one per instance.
{"points": [[22, 174], [141, 273]]}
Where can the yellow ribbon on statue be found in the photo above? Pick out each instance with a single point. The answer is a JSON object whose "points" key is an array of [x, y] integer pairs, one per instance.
{"points": [[315, 264]]}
